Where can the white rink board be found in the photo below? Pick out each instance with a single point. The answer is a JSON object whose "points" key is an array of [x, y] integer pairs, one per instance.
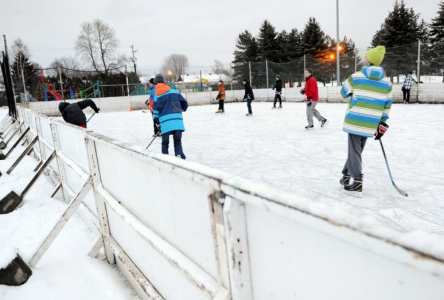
{"points": [[175, 208], [290, 260]]}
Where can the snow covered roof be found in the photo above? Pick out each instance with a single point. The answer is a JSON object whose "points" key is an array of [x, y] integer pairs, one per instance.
{"points": [[212, 77]]}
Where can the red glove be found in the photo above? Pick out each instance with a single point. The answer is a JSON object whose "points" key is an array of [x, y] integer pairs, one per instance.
{"points": [[382, 128]]}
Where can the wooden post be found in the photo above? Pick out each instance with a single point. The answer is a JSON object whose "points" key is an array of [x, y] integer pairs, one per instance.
{"points": [[60, 164], [100, 203], [17, 142], [28, 149]]}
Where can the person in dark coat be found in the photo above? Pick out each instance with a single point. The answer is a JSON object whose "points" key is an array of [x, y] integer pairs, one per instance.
{"points": [[249, 96], [73, 114], [277, 96]]}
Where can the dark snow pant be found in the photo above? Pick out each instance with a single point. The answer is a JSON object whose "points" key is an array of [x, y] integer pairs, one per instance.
{"points": [[156, 130], [311, 110], [353, 165], [276, 97], [221, 105], [177, 136], [406, 95], [250, 111]]}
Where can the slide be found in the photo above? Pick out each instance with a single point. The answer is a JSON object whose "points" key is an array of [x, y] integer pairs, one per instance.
{"points": [[55, 95]]}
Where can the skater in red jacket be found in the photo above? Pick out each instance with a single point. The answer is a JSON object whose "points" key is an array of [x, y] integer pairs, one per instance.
{"points": [[311, 93]]}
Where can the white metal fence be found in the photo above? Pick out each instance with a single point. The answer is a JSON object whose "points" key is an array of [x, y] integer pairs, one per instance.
{"points": [[179, 230]]}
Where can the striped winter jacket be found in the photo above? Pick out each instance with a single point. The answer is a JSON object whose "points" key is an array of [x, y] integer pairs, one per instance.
{"points": [[168, 107], [371, 99]]}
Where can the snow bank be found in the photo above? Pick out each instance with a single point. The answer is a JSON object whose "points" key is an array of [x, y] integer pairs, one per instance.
{"points": [[7, 255]]}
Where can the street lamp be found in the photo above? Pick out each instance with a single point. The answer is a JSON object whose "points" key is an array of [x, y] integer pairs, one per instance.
{"points": [[338, 80], [169, 74]]}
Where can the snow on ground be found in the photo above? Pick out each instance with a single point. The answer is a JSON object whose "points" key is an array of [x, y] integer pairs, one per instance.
{"points": [[273, 148], [65, 271]]}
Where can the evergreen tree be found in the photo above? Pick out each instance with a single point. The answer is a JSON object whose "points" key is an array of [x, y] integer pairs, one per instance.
{"points": [[437, 41], [22, 61], [268, 43], [399, 34], [246, 52], [314, 40]]}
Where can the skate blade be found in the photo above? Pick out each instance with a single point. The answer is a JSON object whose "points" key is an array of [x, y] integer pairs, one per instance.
{"points": [[353, 193]]}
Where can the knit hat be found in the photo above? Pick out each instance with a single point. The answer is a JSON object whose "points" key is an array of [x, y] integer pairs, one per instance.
{"points": [[159, 79], [376, 55], [151, 80]]}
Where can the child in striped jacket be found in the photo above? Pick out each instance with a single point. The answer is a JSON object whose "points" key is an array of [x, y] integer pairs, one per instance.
{"points": [[371, 98]]}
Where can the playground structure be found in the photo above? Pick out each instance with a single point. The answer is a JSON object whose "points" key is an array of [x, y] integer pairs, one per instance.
{"points": [[94, 91]]}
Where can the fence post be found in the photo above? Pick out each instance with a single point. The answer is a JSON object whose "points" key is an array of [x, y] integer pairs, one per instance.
{"points": [[266, 70], [249, 67], [231, 81], [61, 82]]}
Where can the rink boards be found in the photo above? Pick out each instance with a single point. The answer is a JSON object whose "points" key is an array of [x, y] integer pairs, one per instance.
{"points": [[180, 230]]}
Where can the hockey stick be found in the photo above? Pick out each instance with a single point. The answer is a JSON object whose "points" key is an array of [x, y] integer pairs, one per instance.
{"points": [[390, 173], [90, 117], [151, 142]]}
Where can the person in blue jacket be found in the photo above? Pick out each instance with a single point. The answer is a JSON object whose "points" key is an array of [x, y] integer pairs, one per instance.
{"points": [[168, 107]]}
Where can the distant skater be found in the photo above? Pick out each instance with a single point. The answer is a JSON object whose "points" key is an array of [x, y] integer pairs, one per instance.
{"points": [[168, 107], [151, 104], [406, 87], [221, 97], [249, 96], [277, 96], [73, 114], [311, 93]]}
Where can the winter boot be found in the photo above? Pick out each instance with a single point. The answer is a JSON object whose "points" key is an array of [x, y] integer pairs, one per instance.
{"points": [[355, 189], [280, 106], [345, 180], [324, 123], [308, 127]]}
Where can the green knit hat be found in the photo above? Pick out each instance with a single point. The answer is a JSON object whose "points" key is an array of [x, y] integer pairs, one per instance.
{"points": [[376, 55]]}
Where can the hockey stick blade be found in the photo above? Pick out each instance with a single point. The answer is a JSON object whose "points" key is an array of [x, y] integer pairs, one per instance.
{"points": [[390, 173]]}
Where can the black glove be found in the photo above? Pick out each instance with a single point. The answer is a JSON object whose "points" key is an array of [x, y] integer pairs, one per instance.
{"points": [[217, 97], [302, 91], [309, 102], [272, 88], [147, 102], [158, 126], [97, 111], [382, 128]]}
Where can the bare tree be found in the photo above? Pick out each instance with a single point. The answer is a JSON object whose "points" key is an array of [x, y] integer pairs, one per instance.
{"points": [[68, 64], [97, 45], [176, 63], [219, 68], [19, 46]]}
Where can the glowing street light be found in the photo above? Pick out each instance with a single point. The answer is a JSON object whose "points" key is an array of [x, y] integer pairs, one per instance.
{"points": [[169, 74], [332, 56]]}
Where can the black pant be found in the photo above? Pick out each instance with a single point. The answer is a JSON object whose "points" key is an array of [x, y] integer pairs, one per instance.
{"points": [[276, 97], [406, 92], [221, 105], [156, 130]]}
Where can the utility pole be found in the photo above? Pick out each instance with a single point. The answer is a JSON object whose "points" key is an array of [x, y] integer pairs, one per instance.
{"points": [[231, 80], [61, 82], [266, 71], [24, 86], [249, 67], [338, 79], [134, 59], [418, 74], [127, 86]]}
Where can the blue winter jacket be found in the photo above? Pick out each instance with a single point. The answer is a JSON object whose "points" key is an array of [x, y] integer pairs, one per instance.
{"points": [[168, 107]]}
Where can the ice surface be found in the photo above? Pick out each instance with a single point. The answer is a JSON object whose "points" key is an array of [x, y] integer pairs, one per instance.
{"points": [[273, 148]]}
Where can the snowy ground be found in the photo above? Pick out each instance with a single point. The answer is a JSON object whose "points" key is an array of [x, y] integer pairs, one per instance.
{"points": [[66, 271], [274, 148]]}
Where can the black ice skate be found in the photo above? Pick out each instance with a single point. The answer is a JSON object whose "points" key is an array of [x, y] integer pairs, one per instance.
{"points": [[354, 189], [274, 107], [308, 127], [324, 123], [280, 106], [345, 180]]}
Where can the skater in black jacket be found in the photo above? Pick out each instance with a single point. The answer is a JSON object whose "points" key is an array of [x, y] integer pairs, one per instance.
{"points": [[249, 96], [72, 113], [278, 87]]}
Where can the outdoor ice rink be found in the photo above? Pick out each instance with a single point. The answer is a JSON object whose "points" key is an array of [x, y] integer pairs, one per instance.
{"points": [[274, 148]]}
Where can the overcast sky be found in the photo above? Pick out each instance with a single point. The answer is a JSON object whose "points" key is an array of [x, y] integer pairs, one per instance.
{"points": [[203, 30]]}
